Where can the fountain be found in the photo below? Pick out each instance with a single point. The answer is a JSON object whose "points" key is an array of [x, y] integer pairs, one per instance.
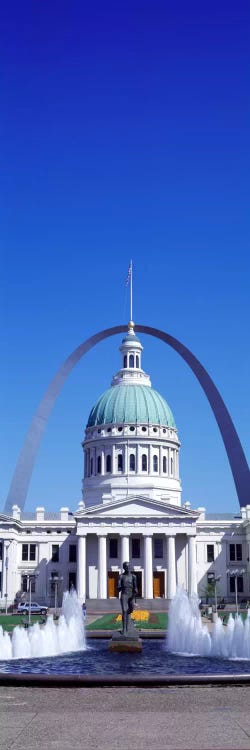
{"points": [[27, 655], [188, 635], [51, 639]]}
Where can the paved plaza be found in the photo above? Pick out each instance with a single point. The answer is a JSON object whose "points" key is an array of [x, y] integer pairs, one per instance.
{"points": [[122, 718]]}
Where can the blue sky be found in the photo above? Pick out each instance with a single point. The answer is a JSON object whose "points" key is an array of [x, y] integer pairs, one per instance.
{"points": [[124, 133]]}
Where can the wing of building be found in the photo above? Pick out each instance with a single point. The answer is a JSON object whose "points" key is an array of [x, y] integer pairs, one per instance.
{"points": [[131, 509]]}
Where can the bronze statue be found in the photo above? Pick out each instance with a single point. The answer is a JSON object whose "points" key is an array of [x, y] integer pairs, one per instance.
{"points": [[127, 585]]}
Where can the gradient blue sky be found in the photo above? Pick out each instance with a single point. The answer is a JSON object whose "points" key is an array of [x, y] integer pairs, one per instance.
{"points": [[124, 133]]}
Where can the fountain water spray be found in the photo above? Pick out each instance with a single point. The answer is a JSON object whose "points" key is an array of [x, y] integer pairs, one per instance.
{"points": [[50, 639], [188, 635]]}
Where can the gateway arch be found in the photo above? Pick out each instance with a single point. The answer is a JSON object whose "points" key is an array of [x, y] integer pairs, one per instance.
{"points": [[25, 464]]}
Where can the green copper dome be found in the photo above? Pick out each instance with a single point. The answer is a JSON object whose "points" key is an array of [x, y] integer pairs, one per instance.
{"points": [[130, 404]]}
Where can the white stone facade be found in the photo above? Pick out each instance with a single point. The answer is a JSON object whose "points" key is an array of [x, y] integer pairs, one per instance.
{"points": [[166, 546]]}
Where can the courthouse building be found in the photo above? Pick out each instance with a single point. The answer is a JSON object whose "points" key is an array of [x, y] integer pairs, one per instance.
{"points": [[131, 509]]}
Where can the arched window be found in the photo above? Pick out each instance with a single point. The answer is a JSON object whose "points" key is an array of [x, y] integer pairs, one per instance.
{"points": [[164, 465], [119, 462], [91, 466], [132, 462], [99, 465], [125, 361], [144, 462], [137, 361], [131, 360], [171, 464], [155, 463], [108, 464]]}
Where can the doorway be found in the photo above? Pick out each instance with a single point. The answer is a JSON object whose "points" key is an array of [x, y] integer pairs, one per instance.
{"points": [[112, 584], [158, 584]]}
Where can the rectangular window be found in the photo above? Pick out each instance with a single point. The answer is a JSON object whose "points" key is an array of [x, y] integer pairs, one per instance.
{"points": [[28, 552], [72, 553], [55, 553], [26, 581], [24, 584], [119, 462], [53, 577], [113, 548], [232, 585], [32, 551], [136, 547], [240, 584], [232, 552], [238, 551], [25, 549], [235, 552], [158, 547], [210, 553], [72, 579]]}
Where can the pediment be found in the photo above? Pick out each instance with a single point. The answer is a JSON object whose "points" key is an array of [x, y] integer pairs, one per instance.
{"points": [[137, 506]]}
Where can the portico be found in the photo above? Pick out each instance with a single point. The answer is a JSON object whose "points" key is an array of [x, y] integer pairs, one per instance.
{"points": [[158, 540]]}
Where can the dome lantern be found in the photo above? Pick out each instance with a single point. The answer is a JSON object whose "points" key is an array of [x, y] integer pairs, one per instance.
{"points": [[131, 350]]}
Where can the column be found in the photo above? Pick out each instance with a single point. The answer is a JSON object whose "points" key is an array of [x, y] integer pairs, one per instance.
{"points": [[148, 568], [126, 459], [150, 460], [102, 463], [114, 467], [42, 585], [160, 460], [192, 581], [102, 567], [124, 549], [81, 568], [171, 568], [137, 460]]}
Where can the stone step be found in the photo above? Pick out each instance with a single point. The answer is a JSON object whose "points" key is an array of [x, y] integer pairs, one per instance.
{"points": [[113, 605]]}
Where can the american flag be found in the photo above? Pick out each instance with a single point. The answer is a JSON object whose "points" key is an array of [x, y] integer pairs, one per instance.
{"points": [[129, 273]]}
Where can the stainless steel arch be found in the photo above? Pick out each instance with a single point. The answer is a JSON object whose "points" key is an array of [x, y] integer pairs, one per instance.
{"points": [[25, 464]]}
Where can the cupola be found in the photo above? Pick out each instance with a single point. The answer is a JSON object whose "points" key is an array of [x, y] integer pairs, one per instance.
{"points": [[131, 370]]}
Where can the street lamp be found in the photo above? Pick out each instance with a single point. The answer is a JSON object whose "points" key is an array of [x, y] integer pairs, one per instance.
{"points": [[216, 580], [55, 580], [31, 577], [6, 568], [234, 574], [213, 579]]}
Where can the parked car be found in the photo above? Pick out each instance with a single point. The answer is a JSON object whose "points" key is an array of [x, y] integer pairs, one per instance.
{"points": [[36, 609]]}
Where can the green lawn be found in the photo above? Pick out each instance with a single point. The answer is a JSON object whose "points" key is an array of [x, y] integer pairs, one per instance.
{"points": [[8, 622], [157, 621]]}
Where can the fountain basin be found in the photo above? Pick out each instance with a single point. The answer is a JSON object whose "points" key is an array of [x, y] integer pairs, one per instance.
{"points": [[96, 665]]}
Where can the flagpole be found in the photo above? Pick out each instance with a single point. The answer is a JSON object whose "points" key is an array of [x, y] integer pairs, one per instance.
{"points": [[131, 291]]}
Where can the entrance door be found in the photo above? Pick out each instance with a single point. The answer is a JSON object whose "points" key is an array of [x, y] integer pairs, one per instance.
{"points": [[112, 584], [158, 584]]}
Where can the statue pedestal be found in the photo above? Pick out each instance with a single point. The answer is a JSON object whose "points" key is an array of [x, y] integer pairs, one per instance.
{"points": [[129, 641]]}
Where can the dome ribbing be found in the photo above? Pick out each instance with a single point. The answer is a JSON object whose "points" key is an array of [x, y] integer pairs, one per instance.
{"points": [[131, 404]]}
